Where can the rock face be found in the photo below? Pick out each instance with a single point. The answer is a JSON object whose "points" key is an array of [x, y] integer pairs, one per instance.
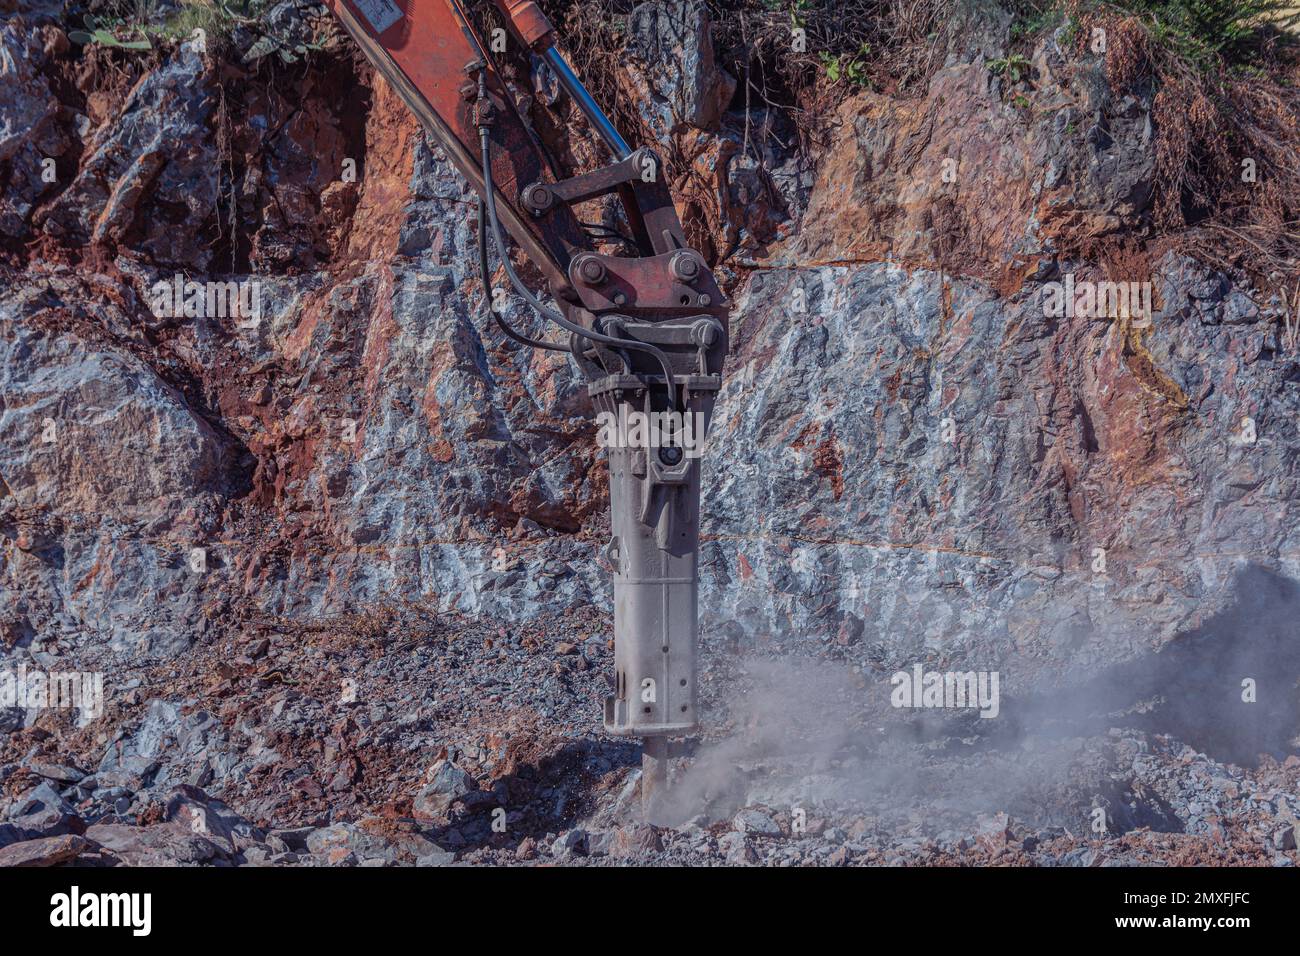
{"points": [[111, 476], [158, 152], [914, 459], [30, 140], [672, 76], [943, 463], [983, 176]]}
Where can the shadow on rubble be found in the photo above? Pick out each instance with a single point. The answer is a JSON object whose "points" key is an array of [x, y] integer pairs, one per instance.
{"points": [[545, 794], [1227, 688]]}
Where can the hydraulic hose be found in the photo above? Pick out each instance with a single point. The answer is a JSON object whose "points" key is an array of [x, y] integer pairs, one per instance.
{"points": [[487, 289]]}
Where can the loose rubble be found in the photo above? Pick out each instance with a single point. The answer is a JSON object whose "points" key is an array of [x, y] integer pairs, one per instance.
{"points": [[433, 742]]}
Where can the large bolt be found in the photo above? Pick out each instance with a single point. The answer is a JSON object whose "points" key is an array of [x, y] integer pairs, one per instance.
{"points": [[684, 267], [705, 333], [591, 270], [538, 198]]}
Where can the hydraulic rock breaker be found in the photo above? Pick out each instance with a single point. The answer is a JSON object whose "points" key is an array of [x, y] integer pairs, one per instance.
{"points": [[648, 331]]}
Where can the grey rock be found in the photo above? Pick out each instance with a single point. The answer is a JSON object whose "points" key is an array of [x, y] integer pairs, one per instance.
{"points": [[437, 858], [1083, 856], [163, 844], [1284, 838], [191, 808], [29, 131], [293, 839], [447, 784], [672, 66], [60, 773], [257, 855], [344, 844], [637, 840], [756, 822], [736, 849], [43, 811], [568, 844], [11, 834]]}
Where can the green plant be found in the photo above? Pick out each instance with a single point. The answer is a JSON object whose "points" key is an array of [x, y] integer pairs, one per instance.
{"points": [[1202, 31], [851, 68], [104, 33], [1033, 19], [1014, 66], [217, 19], [1071, 31]]}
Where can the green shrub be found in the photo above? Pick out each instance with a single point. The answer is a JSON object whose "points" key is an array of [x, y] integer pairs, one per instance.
{"points": [[1203, 30]]}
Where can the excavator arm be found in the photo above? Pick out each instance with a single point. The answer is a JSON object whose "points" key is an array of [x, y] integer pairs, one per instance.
{"points": [[648, 331]]}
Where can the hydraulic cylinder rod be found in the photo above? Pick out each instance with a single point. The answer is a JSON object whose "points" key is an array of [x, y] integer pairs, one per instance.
{"points": [[590, 108]]}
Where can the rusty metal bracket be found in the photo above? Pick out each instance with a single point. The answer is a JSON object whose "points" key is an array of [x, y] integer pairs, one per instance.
{"points": [[673, 283], [539, 198]]}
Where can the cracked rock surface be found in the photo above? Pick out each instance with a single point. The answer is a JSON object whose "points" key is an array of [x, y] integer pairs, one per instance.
{"points": [[339, 567]]}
